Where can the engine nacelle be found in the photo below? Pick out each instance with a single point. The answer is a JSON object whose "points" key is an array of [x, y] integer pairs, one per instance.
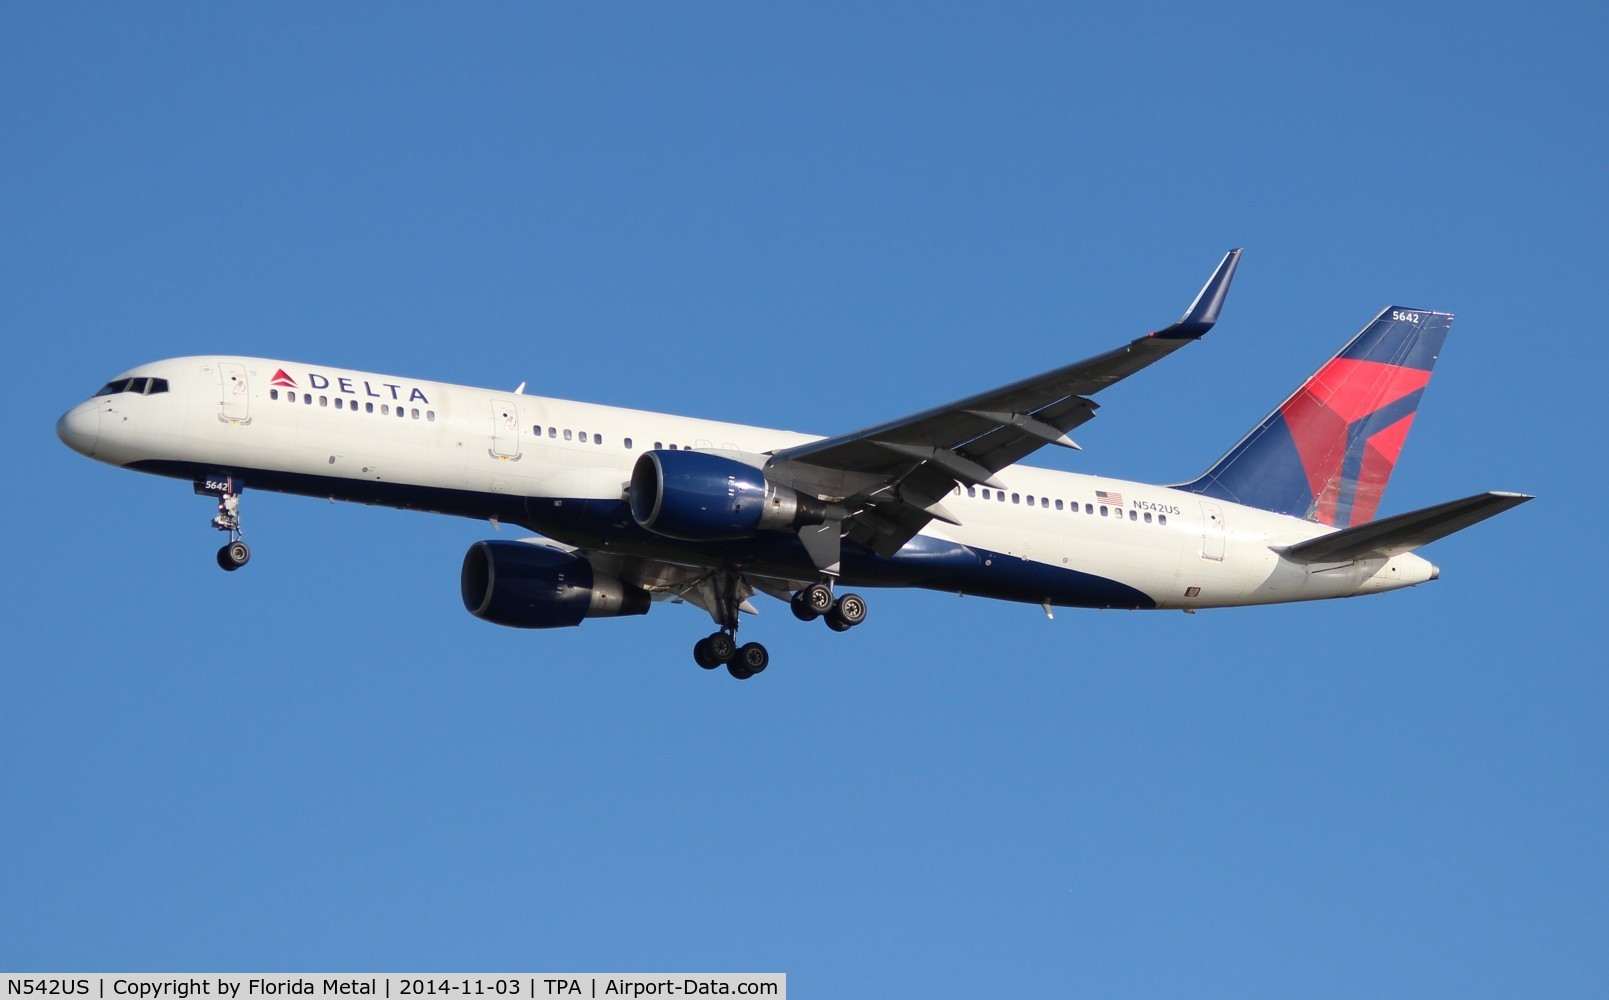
{"points": [[528, 586], [697, 497]]}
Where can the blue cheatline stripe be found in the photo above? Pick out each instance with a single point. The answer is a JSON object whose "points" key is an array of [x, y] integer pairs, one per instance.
{"points": [[924, 562]]}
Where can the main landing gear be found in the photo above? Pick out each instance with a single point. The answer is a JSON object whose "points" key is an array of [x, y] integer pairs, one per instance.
{"points": [[720, 648], [236, 553], [723, 594], [816, 601], [727, 592]]}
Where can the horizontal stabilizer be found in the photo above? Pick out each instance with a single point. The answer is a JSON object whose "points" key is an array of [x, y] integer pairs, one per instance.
{"points": [[1393, 536]]}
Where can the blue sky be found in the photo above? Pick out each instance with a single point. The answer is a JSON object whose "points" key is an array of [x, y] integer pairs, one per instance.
{"points": [[816, 219]]}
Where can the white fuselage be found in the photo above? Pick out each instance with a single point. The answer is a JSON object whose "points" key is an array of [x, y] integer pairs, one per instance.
{"points": [[359, 436]]}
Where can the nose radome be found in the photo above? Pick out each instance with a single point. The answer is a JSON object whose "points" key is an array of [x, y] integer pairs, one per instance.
{"points": [[79, 427]]}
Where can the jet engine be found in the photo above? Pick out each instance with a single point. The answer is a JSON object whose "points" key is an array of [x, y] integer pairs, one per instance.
{"points": [[698, 497], [528, 586]]}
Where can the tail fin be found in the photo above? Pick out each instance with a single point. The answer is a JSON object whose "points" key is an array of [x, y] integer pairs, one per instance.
{"points": [[1325, 454]]}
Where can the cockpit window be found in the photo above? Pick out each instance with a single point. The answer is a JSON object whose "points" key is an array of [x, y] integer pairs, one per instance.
{"points": [[143, 386]]}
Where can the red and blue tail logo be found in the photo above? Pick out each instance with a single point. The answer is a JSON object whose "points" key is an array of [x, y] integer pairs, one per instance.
{"points": [[1329, 449]]}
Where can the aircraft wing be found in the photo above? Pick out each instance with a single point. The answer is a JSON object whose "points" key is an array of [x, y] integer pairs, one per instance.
{"points": [[890, 478]]}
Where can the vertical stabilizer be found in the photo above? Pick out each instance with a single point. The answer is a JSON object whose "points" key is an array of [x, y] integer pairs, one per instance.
{"points": [[1326, 453]]}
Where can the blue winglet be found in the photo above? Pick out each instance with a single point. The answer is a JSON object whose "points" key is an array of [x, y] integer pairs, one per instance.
{"points": [[1203, 312]]}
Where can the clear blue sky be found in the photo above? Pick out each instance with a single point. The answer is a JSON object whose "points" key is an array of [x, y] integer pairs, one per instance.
{"points": [[815, 220]]}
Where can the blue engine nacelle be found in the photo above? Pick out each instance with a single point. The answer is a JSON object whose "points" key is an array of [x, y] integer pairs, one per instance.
{"points": [[698, 497], [528, 586]]}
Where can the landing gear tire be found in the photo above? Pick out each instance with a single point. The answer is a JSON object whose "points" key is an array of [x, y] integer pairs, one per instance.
{"points": [[847, 612], [818, 598], [850, 609], [753, 658], [801, 607], [739, 671], [234, 555], [702, 655], [722, 647]]}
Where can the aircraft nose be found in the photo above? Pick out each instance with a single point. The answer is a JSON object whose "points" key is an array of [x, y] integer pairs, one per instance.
{"points": [[79, 427]]}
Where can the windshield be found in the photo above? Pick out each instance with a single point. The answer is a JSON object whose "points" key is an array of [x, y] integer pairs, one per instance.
{"points": [[142, 386]]}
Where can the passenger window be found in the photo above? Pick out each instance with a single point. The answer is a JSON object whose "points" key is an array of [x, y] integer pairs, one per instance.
{"points": [[537, 430], [1162, 519], [985, 493], [338, 403], [658, 446], [307, 398], [414, 413], [401, 412], [972, 491], [628, 444], [1089, 508], [1000, 495], [1105, 511], [1030, 499], [273, 394], [385, 409], [1058, 505], [583, 436], [567, 434], [672, 447], [368, 407], [597, 439], [324, 401], [430, 415], [1133, 516], [553, 432], [1016, 498], [1147, 517]]}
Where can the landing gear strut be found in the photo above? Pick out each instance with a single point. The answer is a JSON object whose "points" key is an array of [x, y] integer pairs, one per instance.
{"points": [[235, 553], [721, 648]]}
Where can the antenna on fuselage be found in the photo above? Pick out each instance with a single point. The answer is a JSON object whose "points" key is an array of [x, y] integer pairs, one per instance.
{"points": [[521, 390]]}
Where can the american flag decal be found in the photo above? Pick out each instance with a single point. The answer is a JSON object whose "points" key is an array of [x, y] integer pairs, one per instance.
{"points": [[1115, 499]]}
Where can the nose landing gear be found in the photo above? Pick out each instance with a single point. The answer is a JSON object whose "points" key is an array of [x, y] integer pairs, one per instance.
{"points": [[235, 553]]}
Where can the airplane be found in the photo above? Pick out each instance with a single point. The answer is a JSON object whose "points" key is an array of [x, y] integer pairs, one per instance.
{"points": [[632, 507]]}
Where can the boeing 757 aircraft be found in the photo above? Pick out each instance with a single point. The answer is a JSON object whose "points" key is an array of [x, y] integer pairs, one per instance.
{"points": [[633, 507]]}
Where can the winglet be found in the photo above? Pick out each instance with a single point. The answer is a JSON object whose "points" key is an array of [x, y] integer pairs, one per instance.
{"points": [[1203, 312]]}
